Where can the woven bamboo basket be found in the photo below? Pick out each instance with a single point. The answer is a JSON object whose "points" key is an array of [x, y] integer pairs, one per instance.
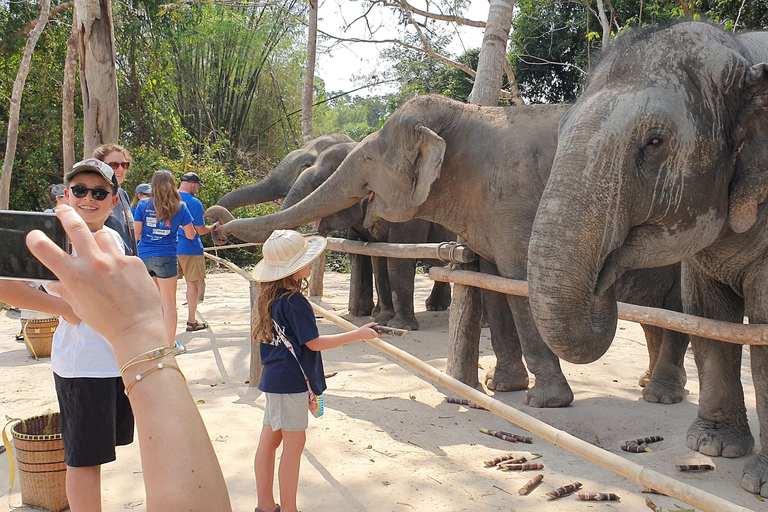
{"points": [[40, 459], [38, 336]]}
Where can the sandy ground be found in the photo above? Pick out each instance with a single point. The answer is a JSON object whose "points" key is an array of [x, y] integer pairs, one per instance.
{"points": [[388, 440]]}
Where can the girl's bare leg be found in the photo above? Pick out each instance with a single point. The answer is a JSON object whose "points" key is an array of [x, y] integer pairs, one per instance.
{"points": [[288, 472], [264, 467], [167, 289]]}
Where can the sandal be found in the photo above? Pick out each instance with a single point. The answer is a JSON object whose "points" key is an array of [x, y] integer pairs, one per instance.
{"points": [[196, 326]]}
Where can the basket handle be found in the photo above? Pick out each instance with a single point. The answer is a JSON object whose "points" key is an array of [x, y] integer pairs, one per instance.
{"points": [[7, 445], [29, 343]]}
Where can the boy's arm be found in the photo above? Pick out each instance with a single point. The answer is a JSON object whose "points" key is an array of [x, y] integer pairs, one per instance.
{"points": [[329, 341], [21, 295]]}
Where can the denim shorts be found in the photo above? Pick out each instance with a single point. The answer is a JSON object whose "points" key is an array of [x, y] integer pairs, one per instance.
{"points": [[162, 267]]}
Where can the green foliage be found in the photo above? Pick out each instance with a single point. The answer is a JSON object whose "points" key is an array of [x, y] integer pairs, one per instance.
{"points": [[354, 116], [555, 41]]}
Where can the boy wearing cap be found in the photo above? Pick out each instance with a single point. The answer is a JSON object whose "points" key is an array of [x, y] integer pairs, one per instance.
{"points": [[190, 252], [96, 415]]}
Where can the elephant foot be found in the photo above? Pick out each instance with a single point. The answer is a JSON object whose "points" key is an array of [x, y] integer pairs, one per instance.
{"points": [[514, 378], [716, 439], [409, 323], [384, 316], [439, 303], [645, 378], [665, 391], [549, 393], [755, 477]]}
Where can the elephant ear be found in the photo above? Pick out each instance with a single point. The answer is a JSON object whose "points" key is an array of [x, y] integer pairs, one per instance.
{"points": [[430, 150], [749, 187]]}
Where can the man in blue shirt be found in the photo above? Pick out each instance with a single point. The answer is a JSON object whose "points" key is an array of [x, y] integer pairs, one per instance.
{"points": [[190, 252]]}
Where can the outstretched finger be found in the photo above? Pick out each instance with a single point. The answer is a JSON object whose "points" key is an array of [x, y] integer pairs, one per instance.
{"points": [[106, 243]]}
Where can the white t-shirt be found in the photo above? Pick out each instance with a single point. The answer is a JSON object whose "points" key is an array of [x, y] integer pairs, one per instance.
{"points": [[78, 350]]}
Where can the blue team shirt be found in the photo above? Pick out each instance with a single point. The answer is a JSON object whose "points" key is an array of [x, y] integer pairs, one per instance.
{"points": [[281, 373], [159, 238], [194, 246]]}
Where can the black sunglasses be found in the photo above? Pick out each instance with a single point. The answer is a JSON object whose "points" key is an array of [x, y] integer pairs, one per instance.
{"points": [[98, 194]]}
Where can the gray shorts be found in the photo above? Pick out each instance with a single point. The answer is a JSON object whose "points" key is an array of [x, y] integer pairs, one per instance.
{"points": [[287, 411]]}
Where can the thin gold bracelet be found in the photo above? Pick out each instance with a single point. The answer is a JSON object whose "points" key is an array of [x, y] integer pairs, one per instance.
{"points": [[150, 355], [141, 376]]}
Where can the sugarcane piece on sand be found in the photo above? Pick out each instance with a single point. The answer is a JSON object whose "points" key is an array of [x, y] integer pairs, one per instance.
{"points": [[651, 505], [510, 458], [694, 467], [521, 467], [512, 438], [531, 485], [562, 491], [464, 401], [598, 496], [635, 448], [645, 440]]}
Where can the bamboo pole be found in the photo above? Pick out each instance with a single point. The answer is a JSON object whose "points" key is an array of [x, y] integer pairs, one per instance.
{"points": [[739, 334], [693, 496]]}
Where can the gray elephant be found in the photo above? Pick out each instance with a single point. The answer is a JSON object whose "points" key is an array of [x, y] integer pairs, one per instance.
{"points": [[278, 183], [394, 277], [478, 171], [663, 159]]}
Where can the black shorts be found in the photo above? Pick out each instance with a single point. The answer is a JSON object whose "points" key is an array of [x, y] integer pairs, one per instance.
{"points": [[96, 416]]}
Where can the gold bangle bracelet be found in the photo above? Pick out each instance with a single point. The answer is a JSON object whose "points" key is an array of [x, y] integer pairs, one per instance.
{"points": [[159, 366], [150, 355]]}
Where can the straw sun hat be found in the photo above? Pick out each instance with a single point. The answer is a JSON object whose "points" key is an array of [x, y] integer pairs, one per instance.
{"points": [[286, 252]]}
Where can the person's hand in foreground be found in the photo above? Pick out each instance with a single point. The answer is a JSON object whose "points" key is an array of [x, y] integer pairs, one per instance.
{"points": [[114, 295]]}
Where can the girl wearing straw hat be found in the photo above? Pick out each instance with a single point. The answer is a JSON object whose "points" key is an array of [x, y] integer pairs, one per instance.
{"points": [[284, 314]]}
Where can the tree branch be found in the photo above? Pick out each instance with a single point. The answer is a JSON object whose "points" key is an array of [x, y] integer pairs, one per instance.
{"points": [[403, 4], [54, 12]]}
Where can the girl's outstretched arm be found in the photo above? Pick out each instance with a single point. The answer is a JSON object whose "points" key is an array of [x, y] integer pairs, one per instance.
{"points": [[329, 341], [114, 295]]}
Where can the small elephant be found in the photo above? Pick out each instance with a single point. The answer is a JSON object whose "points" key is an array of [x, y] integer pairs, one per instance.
{"points": [[478, 171], [661, 160], [394, 276]]}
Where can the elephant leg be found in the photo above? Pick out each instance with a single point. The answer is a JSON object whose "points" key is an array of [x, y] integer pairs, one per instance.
{"points": [[755, 477], [665, 376], [721, 426], [550, 389], [384, 310], [401, 273], [361, 285], [510, 373], [440, 298]]}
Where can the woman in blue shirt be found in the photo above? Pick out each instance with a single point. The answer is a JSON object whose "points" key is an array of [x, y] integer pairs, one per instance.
{"points": [[158, 220]]}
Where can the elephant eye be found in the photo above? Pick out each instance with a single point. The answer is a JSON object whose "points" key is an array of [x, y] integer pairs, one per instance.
{"points": [[654, 141]]}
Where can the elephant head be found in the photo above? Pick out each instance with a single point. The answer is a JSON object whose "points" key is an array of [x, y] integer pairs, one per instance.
{"points": [[662, 154], [395, 181], [277, 183]]}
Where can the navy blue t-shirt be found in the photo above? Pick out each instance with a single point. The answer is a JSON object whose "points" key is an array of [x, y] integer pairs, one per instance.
{"points": [[281, 373]]}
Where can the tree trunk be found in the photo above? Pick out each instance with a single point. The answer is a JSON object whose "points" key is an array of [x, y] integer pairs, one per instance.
{"points": [[68, 102], [309, 74], [604, 23], [15, 108], [467, 304], [493, 52], [98, 76]]}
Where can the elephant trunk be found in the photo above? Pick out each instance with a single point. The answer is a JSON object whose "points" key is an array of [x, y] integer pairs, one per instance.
{"points": [[333, 196], [569, 245], [274, 186]]}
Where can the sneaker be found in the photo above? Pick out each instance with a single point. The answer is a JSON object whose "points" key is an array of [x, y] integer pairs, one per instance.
{"points": [[180, 349]]}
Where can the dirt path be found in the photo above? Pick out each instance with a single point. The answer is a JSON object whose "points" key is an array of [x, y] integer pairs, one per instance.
{"points": [[388, 440]]}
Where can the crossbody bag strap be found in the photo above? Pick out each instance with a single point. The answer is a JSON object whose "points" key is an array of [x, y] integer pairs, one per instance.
{"points": [[281, 336], [129, 221]]}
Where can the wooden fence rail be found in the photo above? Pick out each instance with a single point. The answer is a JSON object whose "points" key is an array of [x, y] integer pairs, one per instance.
{"points": [[740, 334]]}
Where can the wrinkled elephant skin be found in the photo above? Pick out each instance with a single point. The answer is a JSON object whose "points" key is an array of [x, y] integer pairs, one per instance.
{"points": [[478, 171], [662, 160]]}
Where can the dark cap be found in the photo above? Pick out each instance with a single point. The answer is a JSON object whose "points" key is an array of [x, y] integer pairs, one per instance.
{"points": [[192, 177], [93, 165], [144, 188]]}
